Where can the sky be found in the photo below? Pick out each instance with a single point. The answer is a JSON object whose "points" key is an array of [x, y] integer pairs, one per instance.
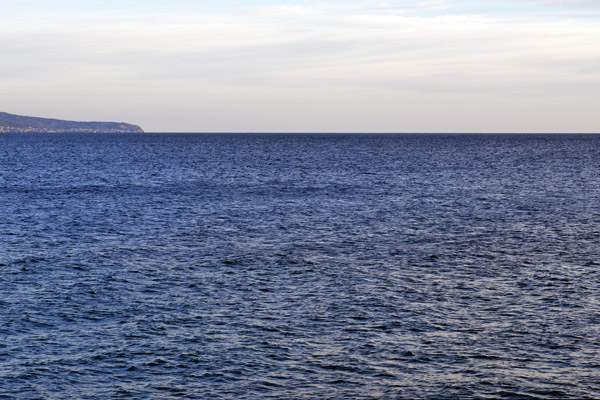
{"points": [[306, 66]]}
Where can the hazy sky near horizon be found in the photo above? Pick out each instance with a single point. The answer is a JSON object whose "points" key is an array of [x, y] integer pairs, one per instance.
{"points": [[306, 66]]}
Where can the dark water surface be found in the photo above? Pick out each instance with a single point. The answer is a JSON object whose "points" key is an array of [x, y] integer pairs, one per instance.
{"points": [[299, 266]]}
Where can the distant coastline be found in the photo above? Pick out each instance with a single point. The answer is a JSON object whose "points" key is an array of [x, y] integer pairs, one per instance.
{"points": [[23, 124]]}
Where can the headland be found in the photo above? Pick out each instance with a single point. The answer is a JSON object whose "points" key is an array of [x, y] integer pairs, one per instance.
{"points": [[19, 123]]}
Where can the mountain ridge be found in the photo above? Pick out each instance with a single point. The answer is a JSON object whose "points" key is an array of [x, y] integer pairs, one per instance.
{"points": [[21, 123]]}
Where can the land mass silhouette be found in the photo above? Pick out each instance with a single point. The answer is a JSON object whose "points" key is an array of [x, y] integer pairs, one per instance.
{"points": [[19, 123]]}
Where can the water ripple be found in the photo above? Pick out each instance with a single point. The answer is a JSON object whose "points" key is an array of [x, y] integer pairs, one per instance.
{"points": [[299, 266]]}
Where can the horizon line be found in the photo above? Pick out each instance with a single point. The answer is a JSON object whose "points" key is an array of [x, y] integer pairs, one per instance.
{"points": [[367, 133]]}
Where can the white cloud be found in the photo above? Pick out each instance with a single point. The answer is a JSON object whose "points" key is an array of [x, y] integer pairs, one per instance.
{"points": [[296, 60]]}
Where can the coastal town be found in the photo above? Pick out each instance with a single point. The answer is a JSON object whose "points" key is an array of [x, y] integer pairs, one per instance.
{"points": [[30, 129]]}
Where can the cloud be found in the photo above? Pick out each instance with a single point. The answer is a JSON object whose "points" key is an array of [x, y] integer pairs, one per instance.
{"points": [[283, 56]]}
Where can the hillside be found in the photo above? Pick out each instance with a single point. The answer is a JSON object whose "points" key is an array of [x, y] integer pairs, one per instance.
{"points": [[18, 123]]}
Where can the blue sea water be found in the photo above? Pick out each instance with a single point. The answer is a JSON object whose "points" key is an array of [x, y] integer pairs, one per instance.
{"points": [[255, 266]]}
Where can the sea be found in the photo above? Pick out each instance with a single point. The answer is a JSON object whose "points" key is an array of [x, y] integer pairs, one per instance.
{"points": [[299, 266]]}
